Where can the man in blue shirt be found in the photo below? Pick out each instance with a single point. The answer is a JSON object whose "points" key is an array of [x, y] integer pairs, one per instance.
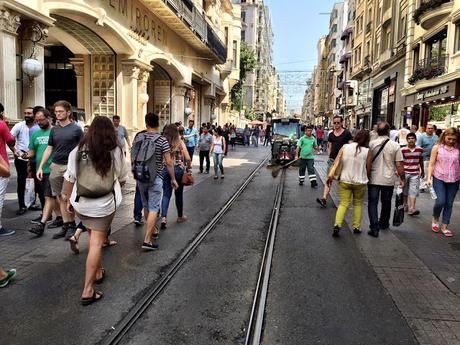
{"points": [[191, 138], [426, 142]]}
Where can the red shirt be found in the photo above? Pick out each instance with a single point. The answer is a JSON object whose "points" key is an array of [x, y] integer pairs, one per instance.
{"points": [[5, 136], [319, 134], [412, 160]]}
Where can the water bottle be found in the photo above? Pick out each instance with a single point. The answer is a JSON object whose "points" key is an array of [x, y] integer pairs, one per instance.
{"points": [[433, 193]]}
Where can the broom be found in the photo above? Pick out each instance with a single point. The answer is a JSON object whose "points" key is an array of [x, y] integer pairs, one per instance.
{"points": [[277, 170]]}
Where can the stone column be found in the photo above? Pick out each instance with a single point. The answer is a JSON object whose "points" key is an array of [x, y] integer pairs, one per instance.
{"points": [[130, 76], [207, 112], [179, 93], [142, 92], [9, 24], [33, 40], [79, 69]]}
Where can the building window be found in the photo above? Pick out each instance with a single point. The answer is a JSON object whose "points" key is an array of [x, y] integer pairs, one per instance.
{"points": [[436, 46], [226, 35], [416, 56], [402, 27], [333, 43], [243, 36], [334, 28], [243, 16], [457, 37], [235, 54]]}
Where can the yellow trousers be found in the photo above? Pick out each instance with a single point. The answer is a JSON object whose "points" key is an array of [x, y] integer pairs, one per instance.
{"points": [[346, 191]]}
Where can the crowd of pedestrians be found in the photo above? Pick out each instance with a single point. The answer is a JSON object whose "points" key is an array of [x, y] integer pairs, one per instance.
{"points": [[377, 161]]}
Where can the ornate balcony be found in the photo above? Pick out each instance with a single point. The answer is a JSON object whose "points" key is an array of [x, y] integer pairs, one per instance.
{"points": [[429, 68], [430, 12]]}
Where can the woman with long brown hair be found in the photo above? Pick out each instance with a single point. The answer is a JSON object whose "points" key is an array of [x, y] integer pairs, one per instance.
{"points": [[182, 162], [444, 177], [93, 180], [356, 161]]}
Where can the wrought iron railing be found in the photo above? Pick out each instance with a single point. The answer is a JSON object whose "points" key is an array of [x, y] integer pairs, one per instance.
{"points": [[430, 68], [216, 45]]}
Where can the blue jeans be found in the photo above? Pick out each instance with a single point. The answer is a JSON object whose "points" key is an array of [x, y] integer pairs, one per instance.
{"points": [[385, 193], [168, 189], [446, 193], [191, 151], [218, 158], [137, 204]]}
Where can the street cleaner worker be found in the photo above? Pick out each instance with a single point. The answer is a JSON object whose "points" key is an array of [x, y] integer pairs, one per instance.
{"points": [[305, 146]]}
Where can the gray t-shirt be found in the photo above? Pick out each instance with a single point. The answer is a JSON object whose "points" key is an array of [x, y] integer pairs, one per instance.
{"points": [[122, 134], [64, 140], [205, 142]]}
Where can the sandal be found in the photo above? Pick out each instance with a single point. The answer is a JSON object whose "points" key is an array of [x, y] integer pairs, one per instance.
{"points": [[182, 219], [74, 244], [85, 301], [435, 227], [447, 233], [109, 243], [101, 279]]}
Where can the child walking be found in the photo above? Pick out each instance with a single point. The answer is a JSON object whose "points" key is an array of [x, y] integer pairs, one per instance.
{"points": [[304, 150], [413, 169]]}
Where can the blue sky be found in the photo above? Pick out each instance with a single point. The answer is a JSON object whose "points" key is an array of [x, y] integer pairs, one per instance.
{"points": [[297, 26]]}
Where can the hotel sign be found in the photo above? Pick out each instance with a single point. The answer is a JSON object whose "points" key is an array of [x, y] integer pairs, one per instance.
{"points": [[421, 96], [139, 19]]}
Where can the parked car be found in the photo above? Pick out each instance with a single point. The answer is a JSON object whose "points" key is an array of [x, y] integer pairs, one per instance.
{"points": [[239, 136]]}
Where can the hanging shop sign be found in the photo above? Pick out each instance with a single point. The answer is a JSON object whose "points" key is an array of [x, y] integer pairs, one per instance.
{"points": [[437, 93], [421, 96]]}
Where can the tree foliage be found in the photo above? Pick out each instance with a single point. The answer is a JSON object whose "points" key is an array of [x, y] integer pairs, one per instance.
{"points": [[247, 64]]}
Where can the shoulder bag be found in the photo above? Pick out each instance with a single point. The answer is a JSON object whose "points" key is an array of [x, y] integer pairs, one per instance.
{"points": [[336, 168], [380, 150]]}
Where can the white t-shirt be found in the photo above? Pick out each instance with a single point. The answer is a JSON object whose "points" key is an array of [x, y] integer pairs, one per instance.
{"points": [[103, 206], [383, 171], [394, 134], [403, 132]]}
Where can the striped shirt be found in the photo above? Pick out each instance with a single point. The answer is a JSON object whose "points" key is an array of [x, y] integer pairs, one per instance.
{"points": [[412, 160]]}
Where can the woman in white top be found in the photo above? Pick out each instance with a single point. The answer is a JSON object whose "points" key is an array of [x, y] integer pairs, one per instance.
{"points": [[217, 151], [356, 160], [97, 158]]}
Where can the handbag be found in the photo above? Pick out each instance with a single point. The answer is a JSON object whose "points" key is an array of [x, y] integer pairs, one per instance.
{"points": [[398, 215], [187, 178], [336, 168]]}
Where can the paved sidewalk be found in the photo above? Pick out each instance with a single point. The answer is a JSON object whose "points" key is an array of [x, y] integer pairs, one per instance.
{"points": [[419, 269]]}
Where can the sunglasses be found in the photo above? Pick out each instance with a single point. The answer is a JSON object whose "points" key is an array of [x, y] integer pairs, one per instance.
{"points": [[337, 123]]}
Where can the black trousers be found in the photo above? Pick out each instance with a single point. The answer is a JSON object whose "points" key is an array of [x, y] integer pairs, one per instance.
{"points": [[21, 170], [38, 184], [203, 155]]}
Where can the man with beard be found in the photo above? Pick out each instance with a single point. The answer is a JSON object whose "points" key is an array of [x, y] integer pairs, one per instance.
{"points": [[37, 146], [22, 132], [63, 138]]}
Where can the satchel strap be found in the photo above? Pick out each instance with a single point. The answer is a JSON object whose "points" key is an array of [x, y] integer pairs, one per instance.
{"points": [[380, 150]]}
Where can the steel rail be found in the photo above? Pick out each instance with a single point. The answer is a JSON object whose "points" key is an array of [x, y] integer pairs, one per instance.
{"points": [[123, 326], [256, 321]]}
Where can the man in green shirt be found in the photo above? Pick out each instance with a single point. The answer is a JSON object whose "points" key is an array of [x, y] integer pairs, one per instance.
{"points": [[304, 150], [37, 146]]}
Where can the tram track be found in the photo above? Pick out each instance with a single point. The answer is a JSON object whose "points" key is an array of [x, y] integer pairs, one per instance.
{"points": [[124, 325]]}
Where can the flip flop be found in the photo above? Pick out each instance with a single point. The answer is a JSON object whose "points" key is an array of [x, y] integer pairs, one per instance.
{"points": [[111, 243], [435, 227], [447, 233], [90, 300], [74, 244], [101, 279]]}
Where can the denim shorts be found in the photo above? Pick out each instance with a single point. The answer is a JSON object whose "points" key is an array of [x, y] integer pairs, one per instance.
{"points": [[151, 194], [412, 186]]}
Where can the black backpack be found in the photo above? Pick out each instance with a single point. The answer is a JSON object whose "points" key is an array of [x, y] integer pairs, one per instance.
{"points": [[143, 157]]}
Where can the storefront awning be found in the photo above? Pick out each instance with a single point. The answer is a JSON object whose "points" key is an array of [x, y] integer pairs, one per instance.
{"points": [[436, 93]]}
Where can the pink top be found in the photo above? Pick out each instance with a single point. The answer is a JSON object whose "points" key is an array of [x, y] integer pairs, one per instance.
{"points": [[5, 136], [447, 165]]}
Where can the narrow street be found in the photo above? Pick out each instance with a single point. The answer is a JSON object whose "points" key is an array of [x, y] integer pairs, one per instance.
{"points": [[397, 289]]}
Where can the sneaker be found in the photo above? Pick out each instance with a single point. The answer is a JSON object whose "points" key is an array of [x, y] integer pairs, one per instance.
{"points": [[34, 207], [201, 171], [335, 232], [38, 220], [70, 231], [38, 229], [149, 246], [206, 172], [6, 232], [9, 275], [57, 223], [373, 233], [61, 232], [138, 222], [216, 177], [314, 185], [300, 183], [21, 211], [322, 202], [356, 231], [414, 213]]}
